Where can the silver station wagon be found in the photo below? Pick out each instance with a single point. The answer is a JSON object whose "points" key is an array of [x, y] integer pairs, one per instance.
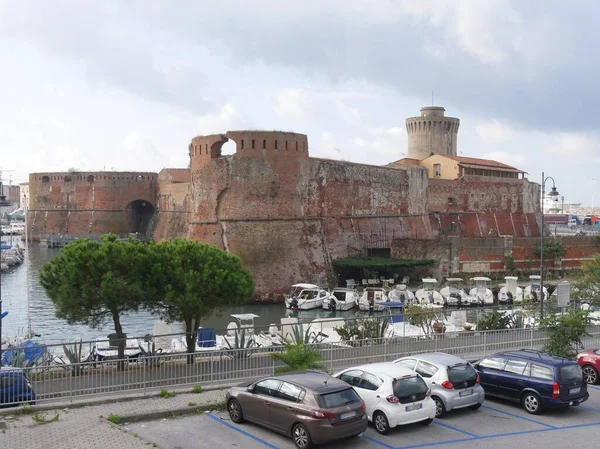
{"points": [[453, 381]]}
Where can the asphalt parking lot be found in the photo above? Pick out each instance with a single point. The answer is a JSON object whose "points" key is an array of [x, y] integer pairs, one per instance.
{"points": [[497, 424]]}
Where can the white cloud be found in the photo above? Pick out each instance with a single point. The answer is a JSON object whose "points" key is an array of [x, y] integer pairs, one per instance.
{"points": [[291, 102], [512, 159], [576, 144], [494, 131], [227, 118]]}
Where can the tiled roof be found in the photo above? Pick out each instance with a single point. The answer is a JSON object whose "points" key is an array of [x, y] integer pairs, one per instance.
{"points": [[478, 162]]}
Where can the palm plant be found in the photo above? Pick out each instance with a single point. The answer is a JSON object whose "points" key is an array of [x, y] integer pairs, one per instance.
{"points": [[299, 354]]}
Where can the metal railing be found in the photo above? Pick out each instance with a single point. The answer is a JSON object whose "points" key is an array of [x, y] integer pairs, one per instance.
{"points": [[146, 372]]}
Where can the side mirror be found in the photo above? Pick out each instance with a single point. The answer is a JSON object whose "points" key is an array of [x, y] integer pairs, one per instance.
{"points": [[250, 389]]}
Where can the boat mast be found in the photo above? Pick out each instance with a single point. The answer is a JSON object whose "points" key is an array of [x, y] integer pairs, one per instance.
{"points": [[27, 267]]}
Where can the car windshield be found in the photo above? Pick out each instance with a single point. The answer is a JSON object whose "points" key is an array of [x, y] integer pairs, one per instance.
{"points": [[570, 372], [407, 386], [338, 398], [461, 373]]}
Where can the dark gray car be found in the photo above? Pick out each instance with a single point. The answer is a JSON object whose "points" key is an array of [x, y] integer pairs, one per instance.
{"points": [[311, 407]]}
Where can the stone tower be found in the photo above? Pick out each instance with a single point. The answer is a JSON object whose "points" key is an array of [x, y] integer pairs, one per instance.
{"points": [[431, 133]]}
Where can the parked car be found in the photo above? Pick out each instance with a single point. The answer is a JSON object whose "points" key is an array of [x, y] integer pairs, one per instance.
{"points": [[590, 365], [311, 407], [394, 395], [15, 389], [454, 383], [533, 378]]}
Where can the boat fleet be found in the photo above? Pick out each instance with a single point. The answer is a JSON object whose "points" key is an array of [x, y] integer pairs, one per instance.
{"points": [[453, 292], [10, 256]]}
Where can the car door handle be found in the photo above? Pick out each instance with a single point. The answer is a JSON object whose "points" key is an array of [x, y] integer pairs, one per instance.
{"points": [[267, 403], [378, 396], [290, 409]]}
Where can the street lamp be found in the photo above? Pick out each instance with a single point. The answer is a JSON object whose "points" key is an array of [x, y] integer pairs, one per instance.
{"points": [[3, 203], [553, 193]]}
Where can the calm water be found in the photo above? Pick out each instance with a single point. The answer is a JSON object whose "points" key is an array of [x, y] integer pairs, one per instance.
{"points": [[28, 305]]}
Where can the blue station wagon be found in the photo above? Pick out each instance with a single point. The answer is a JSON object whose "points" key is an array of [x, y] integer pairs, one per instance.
{"points": [[15, 389], [534, 379]]}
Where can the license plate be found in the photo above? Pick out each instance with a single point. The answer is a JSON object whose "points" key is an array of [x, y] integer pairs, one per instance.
{"points": [[410, 408], [574, 390], [347, 415], [464, 393]]}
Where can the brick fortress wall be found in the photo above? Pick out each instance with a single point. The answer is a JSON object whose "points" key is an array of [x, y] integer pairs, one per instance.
{"points": [[88, 203]]}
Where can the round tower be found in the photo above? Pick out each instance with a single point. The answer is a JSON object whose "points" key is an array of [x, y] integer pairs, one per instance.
{"points": [[431, 133]]}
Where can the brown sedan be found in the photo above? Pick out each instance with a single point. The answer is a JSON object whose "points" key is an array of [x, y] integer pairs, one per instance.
{"points": [[311, 407]]}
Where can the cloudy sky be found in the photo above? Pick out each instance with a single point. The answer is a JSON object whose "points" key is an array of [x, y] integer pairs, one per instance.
{"points": [[125, 85]]}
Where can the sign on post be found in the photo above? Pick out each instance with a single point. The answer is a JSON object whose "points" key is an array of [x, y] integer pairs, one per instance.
{"points": [[563, 294]]}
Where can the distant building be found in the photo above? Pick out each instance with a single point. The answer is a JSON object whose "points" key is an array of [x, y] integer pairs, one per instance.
{"points": [[11, 194], [24, 195]]}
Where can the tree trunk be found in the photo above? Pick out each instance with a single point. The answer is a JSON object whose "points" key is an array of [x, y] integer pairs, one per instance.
{"points": [[121, 365], [191, 332]]}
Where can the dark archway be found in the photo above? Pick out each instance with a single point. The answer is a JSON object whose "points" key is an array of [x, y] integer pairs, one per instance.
{"points": [[140, 213]]}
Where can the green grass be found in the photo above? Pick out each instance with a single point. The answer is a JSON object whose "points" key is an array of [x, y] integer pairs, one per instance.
{"points": [[197, 389], [167, 394], [114, 418], [25, 410], [41, 419], [192, 404]]}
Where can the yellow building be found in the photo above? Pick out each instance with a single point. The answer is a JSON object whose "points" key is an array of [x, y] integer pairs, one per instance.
{"points": [[445, 166]]}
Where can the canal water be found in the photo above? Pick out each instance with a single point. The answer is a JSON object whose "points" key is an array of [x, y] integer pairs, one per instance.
{"points": [[29, 308]]}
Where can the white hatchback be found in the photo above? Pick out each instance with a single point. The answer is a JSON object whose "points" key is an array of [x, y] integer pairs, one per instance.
{"points": [[394, 395]]}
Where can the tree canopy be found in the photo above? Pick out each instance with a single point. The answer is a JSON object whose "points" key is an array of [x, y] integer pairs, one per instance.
{"points": [[587, 281], [92, 282], [194, 279]]}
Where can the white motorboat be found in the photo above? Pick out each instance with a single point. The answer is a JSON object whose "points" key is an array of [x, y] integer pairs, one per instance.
{"points": [[454, 294], [481, 294], [401, 293], [305, 297], [371, 298], [341, 299], [511, 292], [242, 330], [531, 293], [428, 296], [107, 348]]}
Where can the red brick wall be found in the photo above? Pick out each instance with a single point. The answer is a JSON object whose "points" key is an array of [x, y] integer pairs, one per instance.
{"points": [[83, 203]]}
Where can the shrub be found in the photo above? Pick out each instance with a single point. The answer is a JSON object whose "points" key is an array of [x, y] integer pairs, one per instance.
{"points": [[197, 389], [493, 320], [167, 394], [564, 332], [114, 418]]}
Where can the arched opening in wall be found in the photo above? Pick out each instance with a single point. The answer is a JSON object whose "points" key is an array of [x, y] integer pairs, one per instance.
{"points": [[139, 215], [229, 148]]}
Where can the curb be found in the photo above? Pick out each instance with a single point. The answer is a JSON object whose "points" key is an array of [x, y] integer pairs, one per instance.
{"points": [[104, 401], [168, 414]]}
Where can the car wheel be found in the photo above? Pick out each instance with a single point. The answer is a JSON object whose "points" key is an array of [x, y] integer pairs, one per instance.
{"points": [[301, 437], [475, 407], [427, 421], [440, 408], [235, 411], [590, 374], [532, 403], [382, 425]]}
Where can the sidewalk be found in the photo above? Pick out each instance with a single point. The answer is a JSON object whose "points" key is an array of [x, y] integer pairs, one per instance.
{"points": [[81, 427]]}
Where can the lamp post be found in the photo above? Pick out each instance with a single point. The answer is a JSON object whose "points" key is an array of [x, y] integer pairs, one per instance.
{"points": [[3, 203], [553, 193]]}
